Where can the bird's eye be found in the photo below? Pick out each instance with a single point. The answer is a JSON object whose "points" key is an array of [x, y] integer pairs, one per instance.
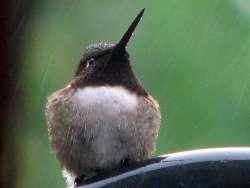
{"points": [[90, 62]]}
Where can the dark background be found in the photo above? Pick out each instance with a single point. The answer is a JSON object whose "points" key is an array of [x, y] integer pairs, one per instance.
{"points": [[193, 56]]}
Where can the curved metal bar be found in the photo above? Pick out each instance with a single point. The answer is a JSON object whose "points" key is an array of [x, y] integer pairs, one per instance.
{"points": [[204, 168]]}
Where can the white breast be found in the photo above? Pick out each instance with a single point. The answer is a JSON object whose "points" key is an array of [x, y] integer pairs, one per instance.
{"points": [[106, 99]]}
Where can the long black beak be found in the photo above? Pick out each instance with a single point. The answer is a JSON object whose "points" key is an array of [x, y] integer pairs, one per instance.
{"points": [[120, 48], [121, 45], [124, 41]]}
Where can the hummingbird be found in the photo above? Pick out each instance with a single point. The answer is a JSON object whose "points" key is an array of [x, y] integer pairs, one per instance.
{"points": [[104, 116]]}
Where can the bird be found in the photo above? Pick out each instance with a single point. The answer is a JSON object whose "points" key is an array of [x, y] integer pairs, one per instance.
{"points": [[104, 116]]}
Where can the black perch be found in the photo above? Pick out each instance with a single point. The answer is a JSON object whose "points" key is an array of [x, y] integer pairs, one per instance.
{"points": [[204, 168]]}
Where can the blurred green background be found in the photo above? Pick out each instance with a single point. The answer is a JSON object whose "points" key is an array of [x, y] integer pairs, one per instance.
{"points": [[193, 56]]}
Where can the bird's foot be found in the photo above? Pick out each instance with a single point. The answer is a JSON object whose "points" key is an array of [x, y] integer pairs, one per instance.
{"points": [[79, 181], [127, 162]]}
